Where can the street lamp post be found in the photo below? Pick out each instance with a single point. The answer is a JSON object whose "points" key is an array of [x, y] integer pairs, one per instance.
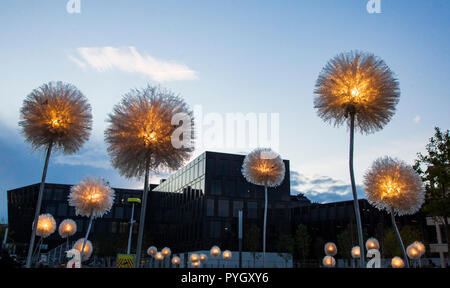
{"points": [[133, 201]]}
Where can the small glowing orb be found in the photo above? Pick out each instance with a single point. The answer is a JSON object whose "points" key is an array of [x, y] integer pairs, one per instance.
{"points": [[397, 262], [226, 254], [329, 261], [176, 260], [330, 249], [166, 251], [159, 256], [372, 243], [356, 252], [215, 251], [194, 257], [203, 257], [195, 264]]}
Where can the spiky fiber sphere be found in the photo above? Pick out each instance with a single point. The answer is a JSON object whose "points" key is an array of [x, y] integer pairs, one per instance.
{"points": [[413, 252], [420, 247], [151, 251], [67, 228], [359, 82], [356, 252], [141, 131], [393, 185], [372, 243], [46, 225], [91, 197], [263, 166], [56, 112], [329, 261], [88, 248]]}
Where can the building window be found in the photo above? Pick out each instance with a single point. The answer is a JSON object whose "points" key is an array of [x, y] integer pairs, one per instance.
{"points": [[210, 207], [252, 210], [118, 212], [62, 209], [223, 208]]}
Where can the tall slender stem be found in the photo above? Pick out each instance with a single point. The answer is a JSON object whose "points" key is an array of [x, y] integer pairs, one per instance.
{"points": [[142, 217], [405, 256], [131, 230], [38, 206], [355, 196], [265, 223], [86, 237]]}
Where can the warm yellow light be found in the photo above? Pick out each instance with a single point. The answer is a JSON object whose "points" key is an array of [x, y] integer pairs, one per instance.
{"points": [[215, 251], [68, 227], [397, 262], [226, 254], [165, 251], [329, 261], [372, 243], [194, 257], [330, 249], [159, 256], [195, 264], [356, 252], [390, 188], [176, 260]]}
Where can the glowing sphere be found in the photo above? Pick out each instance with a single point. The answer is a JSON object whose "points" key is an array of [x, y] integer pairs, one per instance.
{"points": [[330, 249], [151, 251], [46, 225], [413, 252], [420, 247], [166, 251], [263, 166], [329, 261], [67, 228], [356, 252], [215, 251], [397, 262], [372, 243], [226, 254], [176, 260], [159, 256], [91, 197], [194, 257], [203, 257], [87, 252], [195, 264]]}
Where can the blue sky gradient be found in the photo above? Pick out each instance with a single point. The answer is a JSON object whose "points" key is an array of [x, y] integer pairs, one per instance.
{"points": [[248, 56]]}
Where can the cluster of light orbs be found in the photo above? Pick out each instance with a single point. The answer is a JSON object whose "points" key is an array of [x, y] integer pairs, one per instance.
{"points": [[397, 262], [420, 247], [67, 228], [88, 248], [91, 197], [356, 252], [46, 225], [372, 243]]}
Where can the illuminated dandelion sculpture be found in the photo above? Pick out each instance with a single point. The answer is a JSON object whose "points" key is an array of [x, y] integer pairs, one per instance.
{"points": [[67, 228], [360, 90], [215, 251], [264, 167], [166, 251], [151, 251], [176, 261], [420, 247], [394, 186], [329, 261], [330, 249], [85, 248], [46, 225], [356, 252], [372, 243], [397, 262], [91, 198], [55, 116], [150, 129]]}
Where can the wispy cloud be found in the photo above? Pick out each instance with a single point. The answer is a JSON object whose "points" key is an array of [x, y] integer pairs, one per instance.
{"points": [[322, 189], [416, 119], [95, 157], [128, 59]]}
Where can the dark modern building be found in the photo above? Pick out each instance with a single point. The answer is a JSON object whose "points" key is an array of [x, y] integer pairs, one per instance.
{"points": [[197, 207], [193, 209]]}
